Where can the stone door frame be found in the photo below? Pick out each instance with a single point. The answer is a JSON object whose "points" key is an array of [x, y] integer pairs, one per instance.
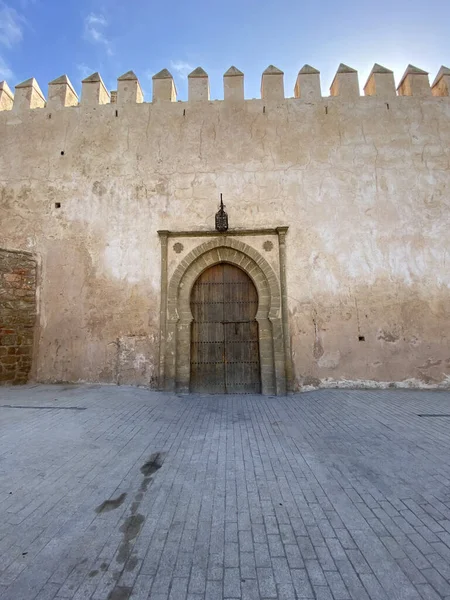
{"points": [[176, 316]]}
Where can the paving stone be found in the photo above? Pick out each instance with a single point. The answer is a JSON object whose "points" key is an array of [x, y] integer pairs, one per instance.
{"points": [[247, 565], [315, 573], [352, 580], [287, 534], [374, 588], [394, 547], [286, 591], [276, 547], [428, 593], [245, 541], [411, 571], [232, 583], [214, 590], [306, 548], [262, 556], [197, 582], [179, 588], [358, 561], [330, 495], [325, 559], [266, 583], [337, 586], [294, 557], [301, 584], [437, 581], [86, 592], [259, 534], [441, 565], [345, 538], [281, 570], [249, 590], [49, 592], [323, 593], [231, 555]]}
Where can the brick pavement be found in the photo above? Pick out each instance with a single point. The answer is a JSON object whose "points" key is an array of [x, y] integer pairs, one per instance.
{"points": [[328, 495]]}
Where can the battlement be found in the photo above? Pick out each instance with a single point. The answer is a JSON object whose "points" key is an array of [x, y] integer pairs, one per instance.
{"points": [[345, 85]]}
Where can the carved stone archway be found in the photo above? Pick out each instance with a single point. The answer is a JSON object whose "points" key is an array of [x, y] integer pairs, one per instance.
{"points": [[176, 315]]}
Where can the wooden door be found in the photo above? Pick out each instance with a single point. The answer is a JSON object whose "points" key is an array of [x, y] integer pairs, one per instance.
{"points": [[224, 336]]}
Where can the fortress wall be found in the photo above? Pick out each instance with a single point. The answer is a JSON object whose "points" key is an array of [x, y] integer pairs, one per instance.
{"points": [[363, 183]]}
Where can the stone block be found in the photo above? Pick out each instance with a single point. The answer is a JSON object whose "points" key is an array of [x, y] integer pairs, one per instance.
{"points": [[441, 84], [28, 95], [93, 91], [129, 89], [6, 96], [307, 85], [414, 82], [17, 277], [198, 85], [164, 89], [61, 93], [380, 82], [272, 84], [345, 83], [233, 84]]}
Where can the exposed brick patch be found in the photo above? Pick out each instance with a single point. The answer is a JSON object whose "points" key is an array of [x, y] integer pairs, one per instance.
{"points": [[17, 315]]}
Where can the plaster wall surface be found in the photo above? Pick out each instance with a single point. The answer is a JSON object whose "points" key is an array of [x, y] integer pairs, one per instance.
{"points": [[364, 186]]}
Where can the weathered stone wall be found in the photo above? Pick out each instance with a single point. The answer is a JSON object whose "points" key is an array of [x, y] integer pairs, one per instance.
{"points": [[363, 184], [17, 315]]}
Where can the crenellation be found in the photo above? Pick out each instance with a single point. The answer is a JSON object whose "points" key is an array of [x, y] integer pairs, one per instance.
{"points": [[94, 91], [129, 89], [233, 85], [441, 84], [345, 86], [345, 83], [272, 84], [307, 85], [28, 95], [414, 82], [164, 89], [6, 96], [61, 93], [380, 82], [198, 85]]}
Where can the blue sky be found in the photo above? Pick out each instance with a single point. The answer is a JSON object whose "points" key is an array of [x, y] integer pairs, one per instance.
{"points": [[47, 38]]}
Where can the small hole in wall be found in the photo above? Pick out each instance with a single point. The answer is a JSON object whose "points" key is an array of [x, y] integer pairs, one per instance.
{"points": [[49, 115], [57, 204], [326, 110], [387, 105], [62, 152], [361, 338], [264, 109], [117, 113], [184, 112]]}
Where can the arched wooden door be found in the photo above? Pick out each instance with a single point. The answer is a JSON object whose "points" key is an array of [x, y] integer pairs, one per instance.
{"points": [[224, 336]]}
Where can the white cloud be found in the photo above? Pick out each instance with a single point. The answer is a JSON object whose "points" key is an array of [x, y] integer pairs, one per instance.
{"points": [[5, 71], [181, 68], [10, 26], [94, 26], [84, 70]]}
